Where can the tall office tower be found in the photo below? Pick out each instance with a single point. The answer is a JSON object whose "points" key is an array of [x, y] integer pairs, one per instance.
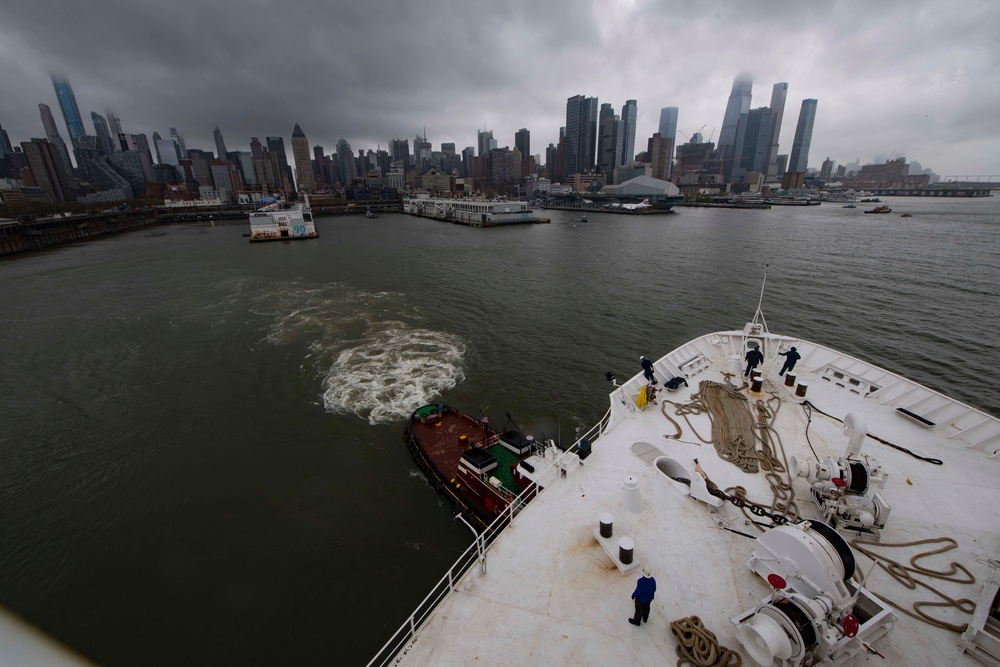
{"points": [[256, 148], [52, 134], [46, 168], [156, 146], [778, 95], [168, 152], [610, 142], [448, 149], [660, 148], [244, 164], [320, 170], [630, 113], [798, 160], [522, 142], [105, 143], [348, 170], [755, 146], [581, 135], [179, 140], [5, 147], [486, 142], [668, 130], [303, 163], [399, 151], [115, 124], [607, 111], [71, 112], [739, 103], [277, 146], [220, 144]]}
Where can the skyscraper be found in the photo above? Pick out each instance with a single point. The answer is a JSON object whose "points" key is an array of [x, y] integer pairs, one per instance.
{"points": [[104, 143], [798, 160], [630, 113], [581, 135], [71, 112], [778, 95], [5, 146], [756, 142], [303, 163], [739, 103], [659, 149], [115, 124], [486, 142], [276, 145], [522, 142], [220, 144], [610, 142], [399, 150], [46, 167], [52, 134], [348, 170], [178, 139], [668, 130]]}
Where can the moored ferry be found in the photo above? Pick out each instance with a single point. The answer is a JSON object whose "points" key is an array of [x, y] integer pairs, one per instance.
{"points": [[472, 212], [281, 221]]}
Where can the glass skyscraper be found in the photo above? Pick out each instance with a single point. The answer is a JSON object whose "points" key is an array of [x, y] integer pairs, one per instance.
{"points": [[798, 161], [668, 130], [71, 112], [630, 115], [739, 103], [581, 135]]}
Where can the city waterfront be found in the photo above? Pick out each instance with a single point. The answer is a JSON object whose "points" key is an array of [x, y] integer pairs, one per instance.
{"points": [[202, 455]]}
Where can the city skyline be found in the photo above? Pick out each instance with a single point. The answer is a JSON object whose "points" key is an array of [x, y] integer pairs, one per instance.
{"points": [[926, 89]]}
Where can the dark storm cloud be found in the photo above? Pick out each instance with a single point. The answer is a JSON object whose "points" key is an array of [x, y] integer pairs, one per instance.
{"points": [[902, 76]]}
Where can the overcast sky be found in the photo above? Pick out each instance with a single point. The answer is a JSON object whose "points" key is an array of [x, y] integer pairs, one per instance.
{"points": [[913, 78]]}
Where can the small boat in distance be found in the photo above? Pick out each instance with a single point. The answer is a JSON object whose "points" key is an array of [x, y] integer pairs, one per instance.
{"points": [[906, 215], [282, 221], [880, 209], [480, 470], [850, 206], [583, 219], [370, 215]]}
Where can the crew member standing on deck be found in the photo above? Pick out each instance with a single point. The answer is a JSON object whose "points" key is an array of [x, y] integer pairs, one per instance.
{"points": [[790, 358], [647, 369], [754, 358], [645, 590]]}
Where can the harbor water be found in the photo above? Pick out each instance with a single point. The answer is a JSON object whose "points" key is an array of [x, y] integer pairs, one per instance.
{"points": [[201, 453]]}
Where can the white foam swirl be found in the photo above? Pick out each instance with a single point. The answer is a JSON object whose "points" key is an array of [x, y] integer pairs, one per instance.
{"points": [[395, 370]]}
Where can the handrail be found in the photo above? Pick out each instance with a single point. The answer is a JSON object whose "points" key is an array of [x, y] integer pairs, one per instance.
{"points": [[408, 630]]}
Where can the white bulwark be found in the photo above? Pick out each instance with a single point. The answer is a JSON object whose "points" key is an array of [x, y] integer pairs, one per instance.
{"points": [[472, 212], [282, 222]]}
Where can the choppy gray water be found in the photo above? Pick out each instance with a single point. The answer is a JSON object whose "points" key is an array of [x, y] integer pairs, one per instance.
{"points": [[201, 458]]}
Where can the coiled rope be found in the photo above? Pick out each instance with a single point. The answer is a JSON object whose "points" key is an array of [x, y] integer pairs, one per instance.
{"points": [[902, 574], [744, 437], [699, 646]]}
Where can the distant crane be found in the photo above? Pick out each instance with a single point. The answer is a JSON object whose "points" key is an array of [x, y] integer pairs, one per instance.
{"points": [[699, 130]]}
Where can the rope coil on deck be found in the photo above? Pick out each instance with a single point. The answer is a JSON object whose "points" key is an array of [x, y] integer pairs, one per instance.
{"points": [[699, 646], [901, 573]]}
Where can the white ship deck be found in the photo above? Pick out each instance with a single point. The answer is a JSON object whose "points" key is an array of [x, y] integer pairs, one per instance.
{"points": [[552, 594]]}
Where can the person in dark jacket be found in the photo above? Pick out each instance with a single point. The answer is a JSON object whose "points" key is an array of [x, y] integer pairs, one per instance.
{"points": [[647, 369], [790, 358], [754, 358], [645, 590]]}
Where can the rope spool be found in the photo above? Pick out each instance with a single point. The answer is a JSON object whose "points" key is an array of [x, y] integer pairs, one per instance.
{"points": [[699, 646]]}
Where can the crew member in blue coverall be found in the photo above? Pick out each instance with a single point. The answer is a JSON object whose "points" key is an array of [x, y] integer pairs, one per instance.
{"points": [[643, 595]]}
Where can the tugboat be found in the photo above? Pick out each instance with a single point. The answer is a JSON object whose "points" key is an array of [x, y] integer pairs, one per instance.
{"points": [[880, 209], [476, 467]]}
